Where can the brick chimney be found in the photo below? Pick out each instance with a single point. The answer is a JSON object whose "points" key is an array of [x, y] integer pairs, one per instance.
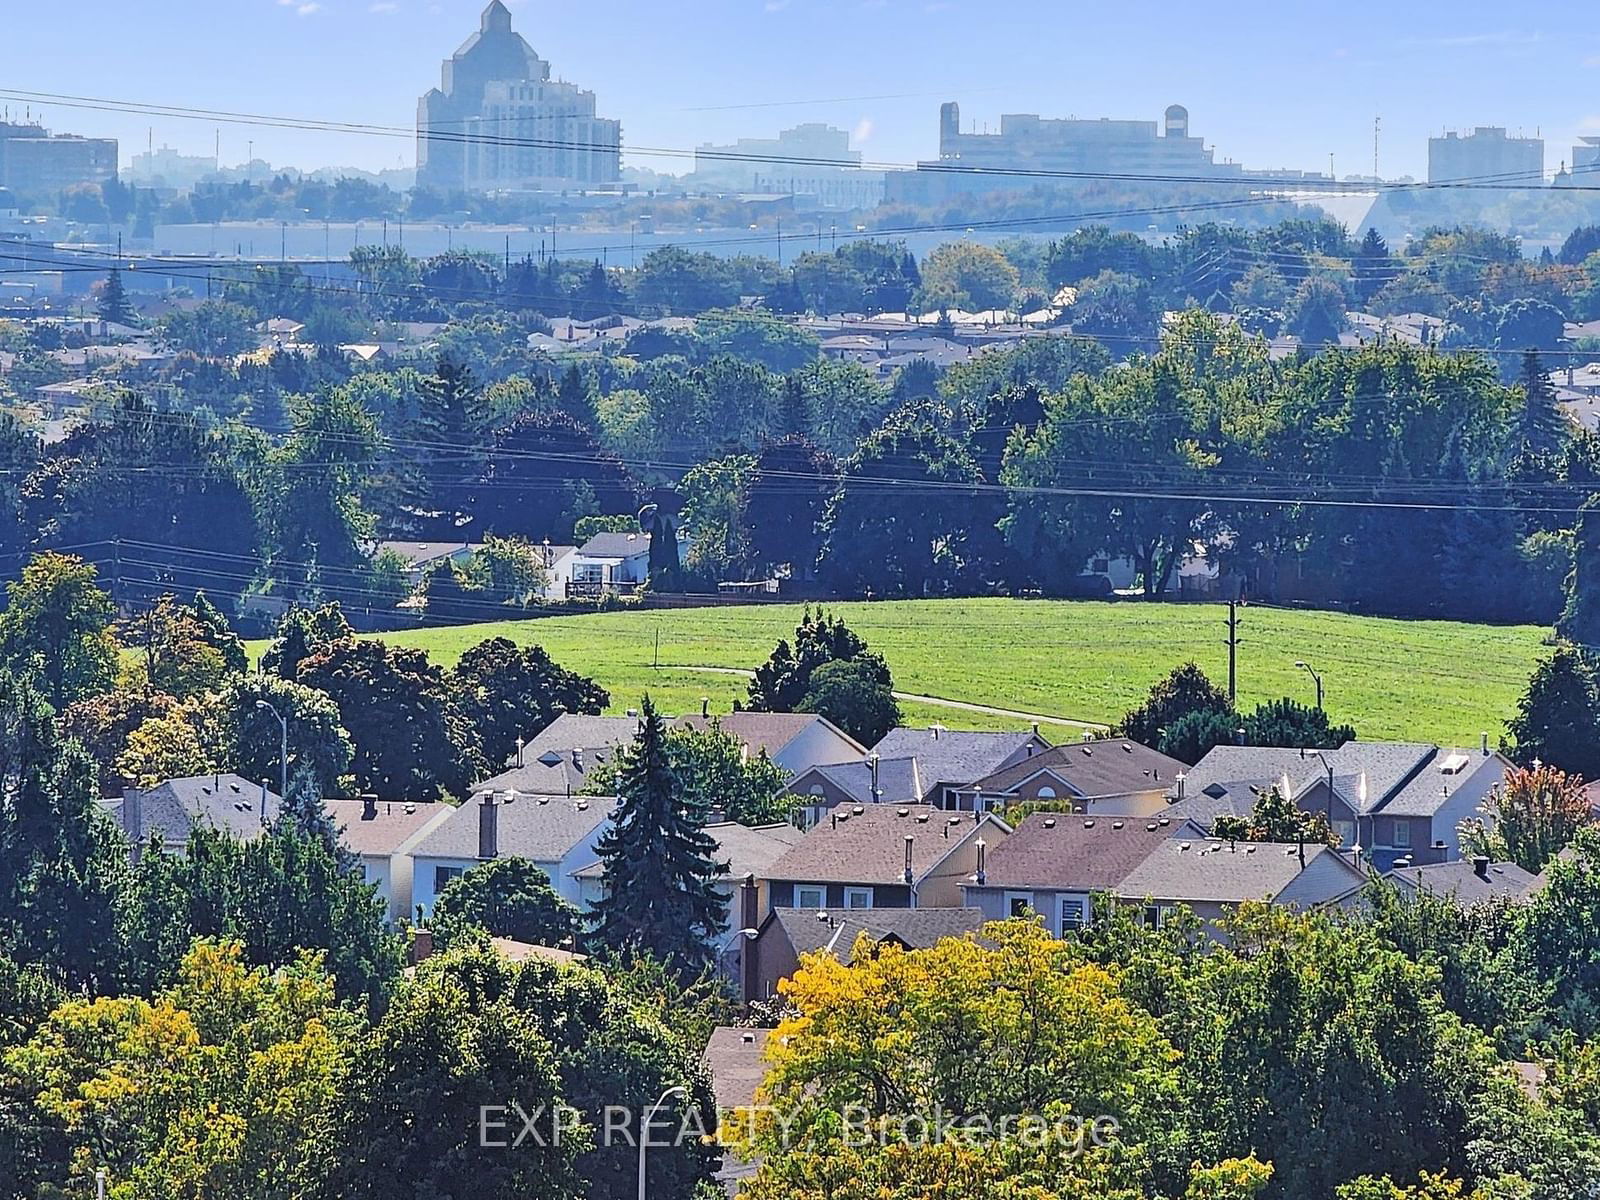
{"points": [[488, 826]]}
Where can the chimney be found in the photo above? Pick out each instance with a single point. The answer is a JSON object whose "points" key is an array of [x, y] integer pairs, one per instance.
{"points": [[520, 745], [877, 789], [749, 902], [1480, 866], [263, 802], [421, 945], [934, 729], [488, 826], [705, 707], [1035, 726], [1485, 744], [982, 876], [133, 819], [1182, 779], [908, 875], [835, 817], [369, 808]]}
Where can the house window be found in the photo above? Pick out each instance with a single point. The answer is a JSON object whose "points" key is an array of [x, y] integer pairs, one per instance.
{"points": [[1074, 913], [443, 875], [810, 897], [1402, 834], [1155, 915], [1345, 831], [1047, 793], [1019, 904], [1100, 566], [858, 897]]}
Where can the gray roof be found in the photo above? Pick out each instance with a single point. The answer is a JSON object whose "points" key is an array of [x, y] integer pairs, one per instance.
{"points": [[558, 760], [541, 829], [956, 758], [1099, 768], [1206, 870], [918, 928], [229, 804], [1460, 880], [388, 827], [868, 846], [770, 732], [898, 780], [616, 545], [743, 849], [1429, 789], [736, 1060], [1079, 854]]}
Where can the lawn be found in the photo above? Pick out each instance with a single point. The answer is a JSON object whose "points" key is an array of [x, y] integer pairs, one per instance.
{"points": [[1074, 660]]}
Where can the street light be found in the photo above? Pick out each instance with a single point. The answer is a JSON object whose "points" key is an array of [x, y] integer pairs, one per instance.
{"points": [[644, 1128], [1311, 671], [283, 750]]}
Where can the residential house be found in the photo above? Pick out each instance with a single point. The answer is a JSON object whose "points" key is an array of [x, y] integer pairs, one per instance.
{"points": [[1213, 877], [883, 856], [421, 557], [1107, 776], [736, 1061], [383, 836], [609, 562], [228, 804], [797, 742], [1055, 863], [950, 762], [558, 760], [788, 933], [1393, 799], [557, 834], [872, 781], [1466, 882]]}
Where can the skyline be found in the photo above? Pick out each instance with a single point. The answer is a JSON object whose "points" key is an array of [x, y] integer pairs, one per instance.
{"points": [[879, 69]]}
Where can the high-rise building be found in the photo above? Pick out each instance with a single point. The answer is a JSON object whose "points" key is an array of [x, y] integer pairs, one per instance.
{"points": [[1487, 153], [36, 163], [499, 123], [812, 160]]}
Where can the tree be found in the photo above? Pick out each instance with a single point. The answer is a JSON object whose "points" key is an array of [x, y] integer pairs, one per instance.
{"points": [[410, 742], [782, 683], [114, 307], [1316, 312], [1287, 723], [1558, 716], [317, 519], [1274, 818], [251, 739], [543, 472], [1372, 268], [1530, 817], [1527, 324], [102, 724], [1542, 426], [665, 565], [854, 696], [507, 898], [216, 329], [164, 748], [967, 275], [176, 651], [1560, 937], [60, 859], [214, 628], [656, 859], [508, 694], [1185, 691], [56, 629], [784, 500], [718, 773], [1193, 735], [301, 633]]}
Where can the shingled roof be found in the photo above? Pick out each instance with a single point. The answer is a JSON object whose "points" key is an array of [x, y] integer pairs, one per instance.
{"points": [[1068, 853], [836, 929], [866, 844], [1099, 768]]}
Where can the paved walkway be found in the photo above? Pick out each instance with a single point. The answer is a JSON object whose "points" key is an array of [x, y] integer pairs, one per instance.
{"points": [[936, 701]]}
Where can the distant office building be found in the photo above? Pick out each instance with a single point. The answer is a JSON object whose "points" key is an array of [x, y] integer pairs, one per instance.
{"points": [[166, 168], [1486, 152], [36, 163], [1585, 164], [798, 162], [499, 123], [1042, 151]]}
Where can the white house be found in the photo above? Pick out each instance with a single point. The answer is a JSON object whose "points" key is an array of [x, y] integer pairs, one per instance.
{"points": [[558, 834], [383, 836], [797, 742]]}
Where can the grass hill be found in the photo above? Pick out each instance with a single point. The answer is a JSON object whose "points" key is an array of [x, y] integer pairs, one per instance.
{"points": [[1082, 661]]}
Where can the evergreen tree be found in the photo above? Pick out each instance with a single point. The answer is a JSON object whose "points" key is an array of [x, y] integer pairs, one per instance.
{"points": [[115, 307], [1580, 620], [666, 565], [657, 860], [1558, 717], [1541, 426], [574, 398], [449, 402], [1371, 266]]}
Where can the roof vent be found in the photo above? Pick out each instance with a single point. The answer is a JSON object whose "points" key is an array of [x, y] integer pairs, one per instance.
{"points": [[922, 818], [858, 810], [235, 787], [1250, 849], [1185, 847], [1151, 828], [583, 806], [1049, 822], [1453, 765], [1116, 824], [1127, 749], [544, 799], [1165, 821], [550, 758], [410, 808], [1088, 824], [749, 1039], [902, 812], [1089, 750]]}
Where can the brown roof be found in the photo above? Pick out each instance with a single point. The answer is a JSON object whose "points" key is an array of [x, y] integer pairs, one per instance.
{"points": [[836, 929], [736, 1059], [1208, 870], [390, 827], [1081, 854], [760, 731], [521, 952], [1101, 768], [866, 844]]}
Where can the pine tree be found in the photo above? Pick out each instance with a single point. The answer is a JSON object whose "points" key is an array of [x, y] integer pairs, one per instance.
{"points": [[1541, 426], [1371, 266], [574, 398], [657, 860], [1580, 620], [114, 304], [449, 402]]}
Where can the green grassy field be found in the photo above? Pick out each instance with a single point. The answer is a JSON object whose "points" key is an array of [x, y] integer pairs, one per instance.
{"points": [[1074, 660]]}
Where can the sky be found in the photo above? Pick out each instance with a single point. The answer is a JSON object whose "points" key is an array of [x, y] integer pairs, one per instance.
{"points": [[1268, 84]]}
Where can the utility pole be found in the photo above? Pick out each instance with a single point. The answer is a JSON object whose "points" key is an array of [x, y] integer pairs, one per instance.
{"points": [[1233, 651], [1377, 125]]}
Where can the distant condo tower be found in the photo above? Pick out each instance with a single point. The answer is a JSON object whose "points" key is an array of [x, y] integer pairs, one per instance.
{"points": [[499, 123]]}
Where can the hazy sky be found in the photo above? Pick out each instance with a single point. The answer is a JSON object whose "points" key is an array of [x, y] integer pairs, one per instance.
{"points": [[1268, 84]]}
